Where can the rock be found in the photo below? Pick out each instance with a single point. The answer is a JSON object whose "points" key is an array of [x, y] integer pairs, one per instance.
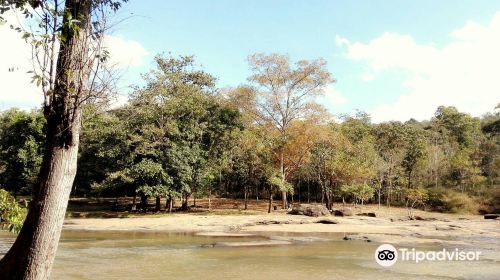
{"points": [[300, 239], [327, 221], [252, 243], [369, 214], [223, 234], [269, 222], [310, 210], [491, 216], [356, 237], [419, 218], [342, 212]]}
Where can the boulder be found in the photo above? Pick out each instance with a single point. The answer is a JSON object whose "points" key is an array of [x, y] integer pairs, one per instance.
{"points": [[491, 216], [342, 212], [369, 214], [327, 221], [311, 210]]}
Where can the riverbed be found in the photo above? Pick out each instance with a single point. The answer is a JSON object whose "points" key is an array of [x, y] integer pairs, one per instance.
{"points": [[267, 255]]}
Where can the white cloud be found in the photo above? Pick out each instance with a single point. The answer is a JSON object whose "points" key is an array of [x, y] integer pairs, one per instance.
{"points": [[16, 89], [463, 73], [118, 101], [341, 41], [333, 96], [367, 76], [124, 53]]}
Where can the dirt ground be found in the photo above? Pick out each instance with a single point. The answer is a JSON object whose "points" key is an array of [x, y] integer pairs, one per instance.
{"points": [[227, 217]]}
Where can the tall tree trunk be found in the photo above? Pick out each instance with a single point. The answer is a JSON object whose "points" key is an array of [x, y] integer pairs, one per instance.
{"points": [[157, 206], [270, 201], [134, 203], [185, 203], [32, 254], [144, 202], [299, 191], [167, 202], [308, 191], [282, 170], [246, 197], [170, 205], [210, 199]]}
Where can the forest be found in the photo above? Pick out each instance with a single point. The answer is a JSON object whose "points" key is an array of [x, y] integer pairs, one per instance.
{"points": [[180, 138]]}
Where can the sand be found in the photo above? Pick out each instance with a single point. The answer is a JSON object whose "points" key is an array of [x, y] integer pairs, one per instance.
{"points": [[390, 226]]}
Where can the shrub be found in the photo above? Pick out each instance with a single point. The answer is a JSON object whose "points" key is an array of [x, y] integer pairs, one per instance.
{"points": [[415, 197], [11, 213], [491, 202], [456, 202], [435, 200]]}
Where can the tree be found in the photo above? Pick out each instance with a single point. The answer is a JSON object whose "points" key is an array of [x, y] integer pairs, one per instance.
{"points": [[461, 132], [415, 197], [21, 149], [105, 149], [77, 27], [151, 180], [176, 125], [363, 192], [360, 192], [416, 153], [284, 94], [390, 145]]}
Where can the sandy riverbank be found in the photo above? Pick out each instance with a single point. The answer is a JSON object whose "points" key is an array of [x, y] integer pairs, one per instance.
{"points": [[389, 226]]}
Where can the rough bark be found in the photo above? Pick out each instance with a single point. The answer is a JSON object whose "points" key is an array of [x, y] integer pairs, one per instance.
{"points": [[32, 254]]}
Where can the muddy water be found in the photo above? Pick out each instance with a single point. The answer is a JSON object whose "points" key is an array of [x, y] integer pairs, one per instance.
{"points": [[126, 255]]}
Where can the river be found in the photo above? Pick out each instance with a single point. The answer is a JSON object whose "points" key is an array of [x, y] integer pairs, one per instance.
{"points": [[147, 255]]}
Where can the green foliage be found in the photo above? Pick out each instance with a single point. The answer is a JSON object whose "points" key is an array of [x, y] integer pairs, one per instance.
{"points": [[456, 202], [277, 181], [359, 192], [22, 139], [417, 196], [174, 136], [11, 213], [179, 135]]}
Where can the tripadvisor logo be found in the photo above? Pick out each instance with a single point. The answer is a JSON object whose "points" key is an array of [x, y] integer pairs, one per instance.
{"points": [[387, 255]]}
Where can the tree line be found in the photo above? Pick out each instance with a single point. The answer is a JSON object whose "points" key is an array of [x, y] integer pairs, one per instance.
{"points": [[181, 138]]}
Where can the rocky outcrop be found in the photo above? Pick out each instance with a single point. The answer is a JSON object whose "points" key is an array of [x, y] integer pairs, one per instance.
{"points": [[327, 221], [342, 212], [369, 214], [491, 216], [311, 210]]}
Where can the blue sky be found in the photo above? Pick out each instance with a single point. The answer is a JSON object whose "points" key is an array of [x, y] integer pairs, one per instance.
{"points": [[348, 34]]}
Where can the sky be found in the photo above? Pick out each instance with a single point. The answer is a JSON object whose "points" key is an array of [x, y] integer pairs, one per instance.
{"points": [[395, 59]]}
